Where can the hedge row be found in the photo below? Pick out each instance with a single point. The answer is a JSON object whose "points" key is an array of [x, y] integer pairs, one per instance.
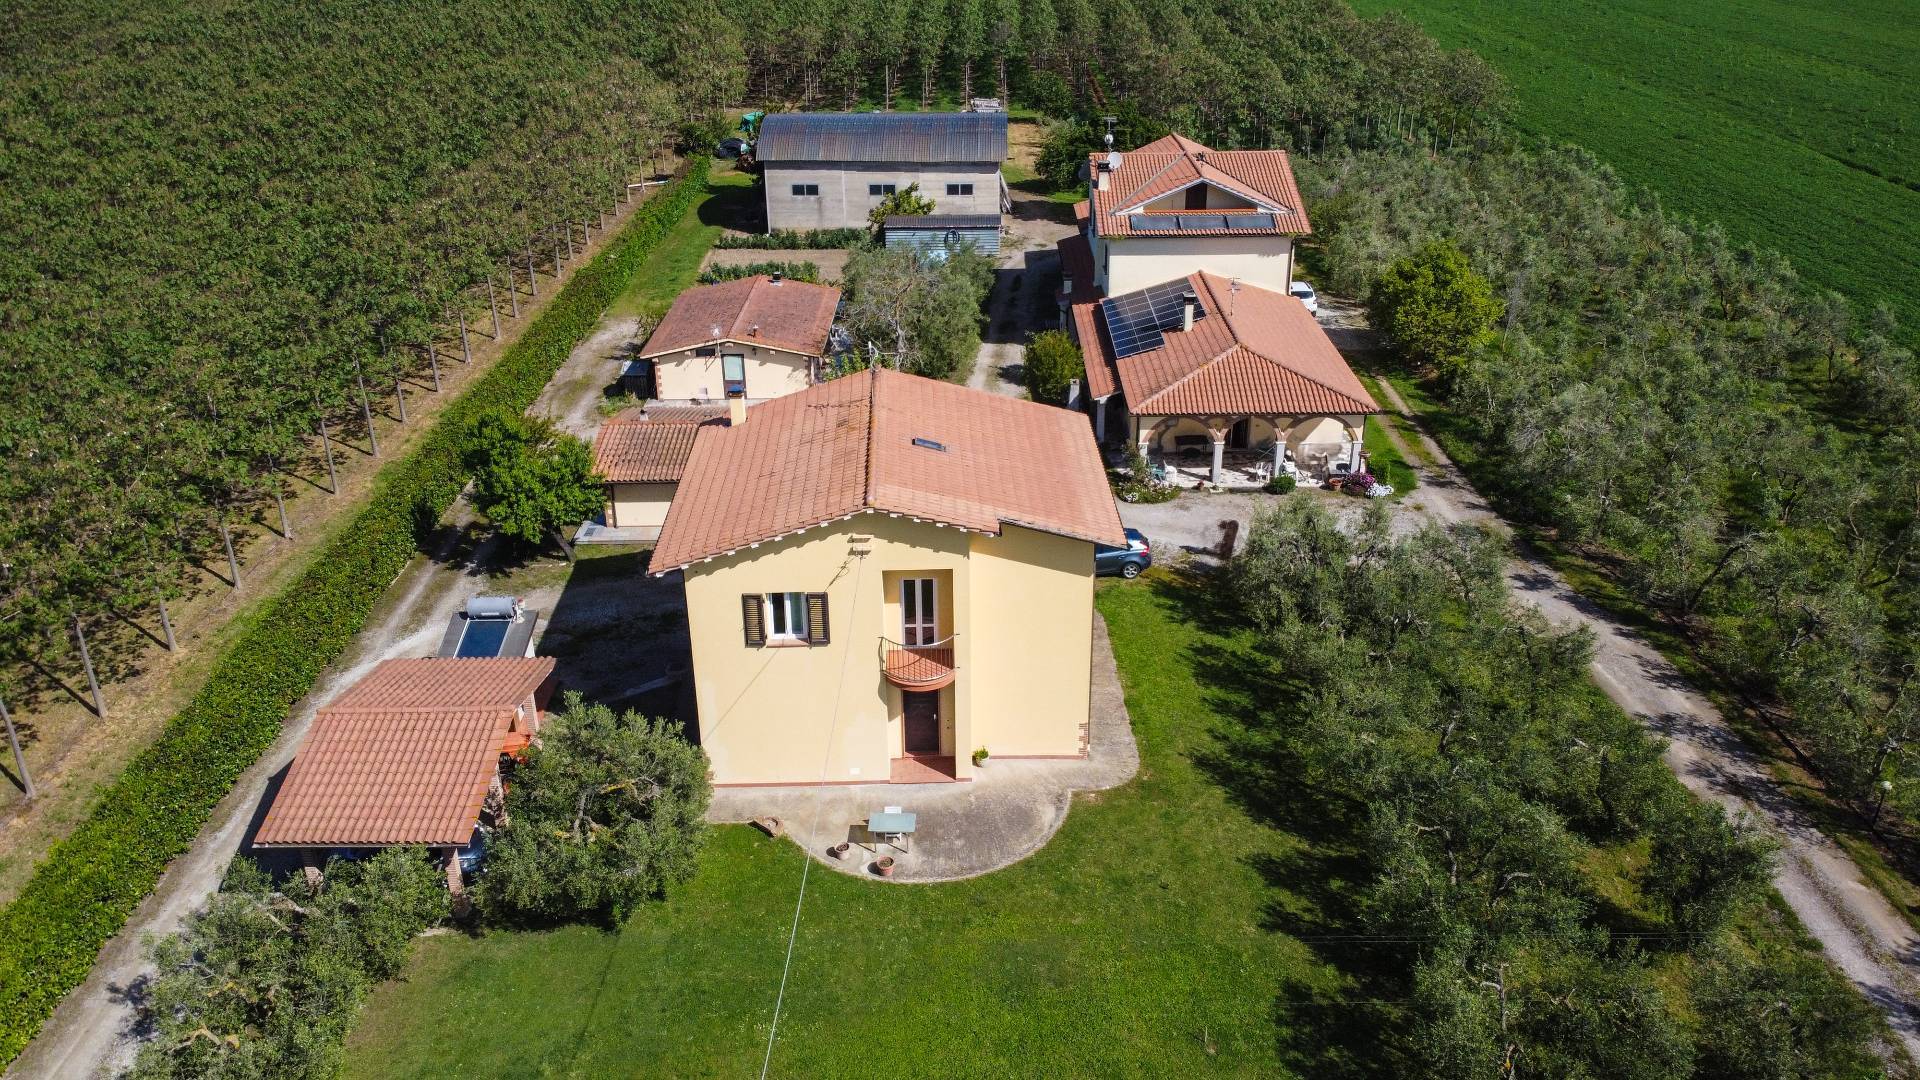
{"points": [[797, 239], [83, 893]]}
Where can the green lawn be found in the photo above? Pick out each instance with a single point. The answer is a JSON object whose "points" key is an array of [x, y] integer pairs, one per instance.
{"points": [[676, 262], [1792, 124], [1138, 942], [1389, 466]]}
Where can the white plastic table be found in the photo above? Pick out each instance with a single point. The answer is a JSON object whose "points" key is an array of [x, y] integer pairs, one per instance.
{"points": [[896, 826]]}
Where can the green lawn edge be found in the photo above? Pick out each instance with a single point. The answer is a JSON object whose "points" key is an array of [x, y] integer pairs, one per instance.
{"points": [[81, 895]]}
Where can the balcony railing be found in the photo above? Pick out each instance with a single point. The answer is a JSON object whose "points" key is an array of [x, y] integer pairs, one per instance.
{"points": [[918, 667]]}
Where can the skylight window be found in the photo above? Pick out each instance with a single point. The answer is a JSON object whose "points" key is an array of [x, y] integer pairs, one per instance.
{"points": [[930, 445]]}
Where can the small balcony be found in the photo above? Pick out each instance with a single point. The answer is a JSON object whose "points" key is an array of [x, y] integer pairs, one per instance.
{"points": [[917, 667]]}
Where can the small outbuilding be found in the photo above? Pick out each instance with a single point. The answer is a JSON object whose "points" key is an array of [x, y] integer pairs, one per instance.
{"points": [[944, 233], [410, 754], [755, 338], [640, 457], [829, 170]]}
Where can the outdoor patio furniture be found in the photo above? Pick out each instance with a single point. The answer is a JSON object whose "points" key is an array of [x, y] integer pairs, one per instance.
{"points": [[893, 825]]}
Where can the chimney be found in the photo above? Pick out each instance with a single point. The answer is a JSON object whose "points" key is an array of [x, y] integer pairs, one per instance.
{"points": [[1188, 302], [1100, 182], [736, 410]]}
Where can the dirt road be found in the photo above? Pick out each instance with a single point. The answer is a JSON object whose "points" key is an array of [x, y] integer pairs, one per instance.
{"points": [[1859, 930], [1022, 301]]}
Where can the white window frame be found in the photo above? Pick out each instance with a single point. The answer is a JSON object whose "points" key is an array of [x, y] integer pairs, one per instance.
{"points": [[881, 191], [959, 190], [806, 191], [790, 609], [924, 629]]}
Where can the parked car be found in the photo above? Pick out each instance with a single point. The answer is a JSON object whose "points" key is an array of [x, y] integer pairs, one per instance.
{"points": [[731, 147], [1126, 562], [1303, 292]]}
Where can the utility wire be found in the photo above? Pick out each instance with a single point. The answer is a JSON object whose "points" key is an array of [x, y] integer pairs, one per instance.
{"points": [[806, 860]]}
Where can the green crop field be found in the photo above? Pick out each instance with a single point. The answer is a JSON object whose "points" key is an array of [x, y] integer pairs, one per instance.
{"points": [[1794, 125]]}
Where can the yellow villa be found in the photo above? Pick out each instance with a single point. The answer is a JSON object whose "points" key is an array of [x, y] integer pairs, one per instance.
{"points": [[883, 575]]}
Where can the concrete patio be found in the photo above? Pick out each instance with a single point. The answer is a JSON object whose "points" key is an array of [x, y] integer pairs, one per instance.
{"points": [[1008, 812]]}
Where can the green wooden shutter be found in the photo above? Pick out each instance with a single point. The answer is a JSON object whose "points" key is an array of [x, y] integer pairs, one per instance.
{"points": [[753, 619], [816, 618]]}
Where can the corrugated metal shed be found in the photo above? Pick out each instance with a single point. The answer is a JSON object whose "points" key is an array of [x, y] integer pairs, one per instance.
{"points": [[887, 137], [944, 232]]}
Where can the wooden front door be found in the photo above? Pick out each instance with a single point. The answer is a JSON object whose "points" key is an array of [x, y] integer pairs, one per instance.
{"points": [[921, 712]]}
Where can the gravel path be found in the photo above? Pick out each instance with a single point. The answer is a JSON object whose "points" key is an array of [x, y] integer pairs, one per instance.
{"points": [[1860, 931], [1022, 302]]}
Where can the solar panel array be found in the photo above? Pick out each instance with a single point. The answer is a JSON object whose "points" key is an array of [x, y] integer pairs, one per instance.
{"points": [[1138, 321], [1197, 222]]}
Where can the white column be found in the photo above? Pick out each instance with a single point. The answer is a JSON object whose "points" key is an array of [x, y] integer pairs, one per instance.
{"points": [[1100, 419], [1219, 452]]}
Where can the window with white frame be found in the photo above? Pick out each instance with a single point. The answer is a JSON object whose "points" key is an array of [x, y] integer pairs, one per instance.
{"points": [[959, 189], [806, 189], [880, 190], [919, 621], [787, 616]]}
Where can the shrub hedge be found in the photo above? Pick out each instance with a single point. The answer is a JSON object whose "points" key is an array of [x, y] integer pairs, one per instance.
{"points": [[81, 895], [797, 239]]}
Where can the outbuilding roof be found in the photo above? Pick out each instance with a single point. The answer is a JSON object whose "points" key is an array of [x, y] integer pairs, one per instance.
{"points": [[1252, 351], [1263, 178], [886, 441], [916, 138], [405, 755], [642, 451], [791, 315], [943, 221]]}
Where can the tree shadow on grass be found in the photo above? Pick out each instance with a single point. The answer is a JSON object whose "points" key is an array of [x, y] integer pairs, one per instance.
{"points": [[1348, 1025]]}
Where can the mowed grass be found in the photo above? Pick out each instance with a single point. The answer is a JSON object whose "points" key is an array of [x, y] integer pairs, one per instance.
{"points": [[1796, 125], [675, 263], [1139, 942]]}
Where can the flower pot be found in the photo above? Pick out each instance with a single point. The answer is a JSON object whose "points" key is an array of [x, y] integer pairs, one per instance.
{"points": [[883, 866], [839, 850]]}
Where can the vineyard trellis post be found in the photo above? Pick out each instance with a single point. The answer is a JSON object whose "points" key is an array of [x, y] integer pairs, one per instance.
{"points": [[366, 407], [166, 622], [466, 349], [493, 308], [13, 742], [513, 295], [279, 502], [433, 364], [233, 562], [400, 397], [326, 451], [86, 661], [533, 279]]}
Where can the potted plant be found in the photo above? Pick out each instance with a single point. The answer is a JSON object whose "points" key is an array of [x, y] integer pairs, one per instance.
{"points": [[839, 850], [980, 757], [883, 866]]}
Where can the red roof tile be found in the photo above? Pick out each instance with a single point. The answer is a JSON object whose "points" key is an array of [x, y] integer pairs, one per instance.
{"points": [[404, 756], [642, 451], [790, 315], [1256, 352], [1264, 177], [847, 446]]}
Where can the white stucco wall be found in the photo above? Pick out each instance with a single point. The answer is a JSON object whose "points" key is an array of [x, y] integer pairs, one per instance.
{"points": [[844, 202], [1135, 262], [771, 373]]}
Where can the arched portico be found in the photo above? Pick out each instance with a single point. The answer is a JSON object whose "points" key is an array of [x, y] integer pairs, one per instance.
{"points": [[1243, 450]]}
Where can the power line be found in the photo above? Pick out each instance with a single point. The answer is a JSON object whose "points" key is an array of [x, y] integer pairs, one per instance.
{"points": [[806, 857]]}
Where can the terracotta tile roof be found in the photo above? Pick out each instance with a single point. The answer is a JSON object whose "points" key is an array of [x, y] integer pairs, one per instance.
{"points": [[679, 414], [847, 446], [790, 315], [642, 451], [1256, 352], [404, 756], [1263, 177]]}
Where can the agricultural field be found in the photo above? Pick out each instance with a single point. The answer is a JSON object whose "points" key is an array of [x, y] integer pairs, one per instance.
{"points": [[1794, 125]]}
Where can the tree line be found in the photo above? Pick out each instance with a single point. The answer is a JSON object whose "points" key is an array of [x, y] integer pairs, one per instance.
{"points": [[1736, 449], [236, 236], [1530, 890]]}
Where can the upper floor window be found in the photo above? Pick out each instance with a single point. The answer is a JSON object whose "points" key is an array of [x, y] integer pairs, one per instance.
{"points": [[733, 371], [784, 618], [806, 189], [881, 190], [959, 189]]}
